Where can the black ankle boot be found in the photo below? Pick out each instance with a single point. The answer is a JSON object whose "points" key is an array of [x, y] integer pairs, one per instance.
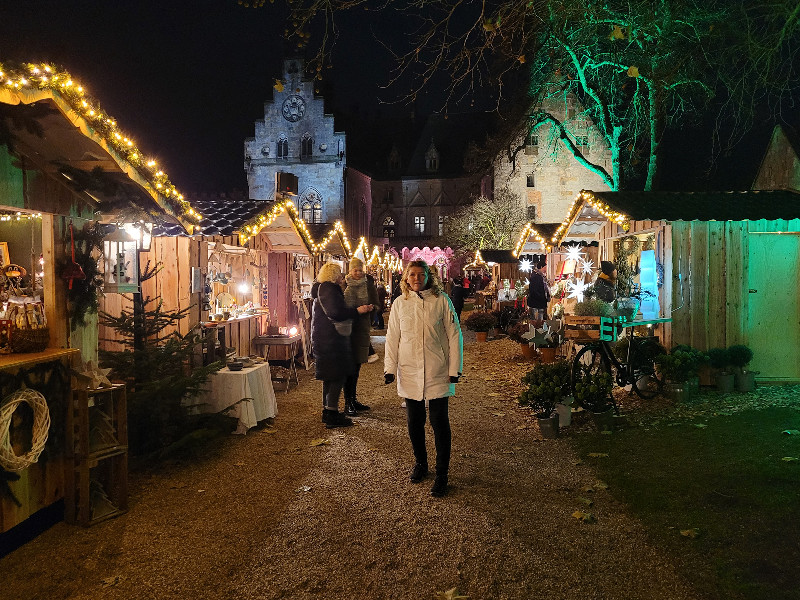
{"points": [[358, 406], [334, 419], [419, 472], [439, 488], [350, 409]]}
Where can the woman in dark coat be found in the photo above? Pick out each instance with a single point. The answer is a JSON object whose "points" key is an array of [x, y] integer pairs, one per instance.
{"points": [[360, 291], [333, 357], [457, 295]]}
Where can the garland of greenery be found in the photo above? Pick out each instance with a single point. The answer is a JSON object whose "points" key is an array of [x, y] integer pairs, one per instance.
{"points": [[84, 297], [51, 379]]}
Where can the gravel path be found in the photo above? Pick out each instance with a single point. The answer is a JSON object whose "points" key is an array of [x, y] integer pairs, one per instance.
{"points": [[269, 515]]}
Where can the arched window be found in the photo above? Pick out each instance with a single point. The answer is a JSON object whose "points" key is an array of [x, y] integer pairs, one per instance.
{"points": [[283, 147], [388, 227], [306, 146], [311, 207]]}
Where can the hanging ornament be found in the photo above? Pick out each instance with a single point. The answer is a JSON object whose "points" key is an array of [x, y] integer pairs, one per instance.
{"points": [[577, 289], [525, 265], [587, 266], [574, 253], [73, 271]]}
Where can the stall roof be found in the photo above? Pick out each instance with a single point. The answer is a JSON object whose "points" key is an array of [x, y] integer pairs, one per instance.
{"points": [[535, 238], [591, 210], [64, 133], [276, 221]]}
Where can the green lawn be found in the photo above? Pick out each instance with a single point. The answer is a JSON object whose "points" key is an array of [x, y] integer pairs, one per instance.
{"points": [[724, 476]]}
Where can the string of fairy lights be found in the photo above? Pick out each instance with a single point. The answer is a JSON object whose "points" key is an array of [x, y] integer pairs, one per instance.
{"points": [[18, 79], [252, 228]]}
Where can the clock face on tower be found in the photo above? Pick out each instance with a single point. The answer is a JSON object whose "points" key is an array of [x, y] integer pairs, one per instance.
{"points": [[294, 107]]}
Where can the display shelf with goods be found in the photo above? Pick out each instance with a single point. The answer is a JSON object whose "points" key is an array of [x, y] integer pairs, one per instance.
{"points": [[97, 448]]}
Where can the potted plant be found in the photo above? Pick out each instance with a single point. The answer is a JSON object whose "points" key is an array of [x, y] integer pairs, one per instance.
{"points": [[592, 388], [546, 386], [720, 361], [546, 339], [593, 307], [679, 369], [516, 333], [740, 356], [480, 322]]}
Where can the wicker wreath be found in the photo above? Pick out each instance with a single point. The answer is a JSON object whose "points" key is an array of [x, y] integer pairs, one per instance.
{"points": [[41, 425]]}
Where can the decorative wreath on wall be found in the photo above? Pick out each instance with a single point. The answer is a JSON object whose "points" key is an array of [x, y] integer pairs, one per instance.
{"points": [[41, 426]]}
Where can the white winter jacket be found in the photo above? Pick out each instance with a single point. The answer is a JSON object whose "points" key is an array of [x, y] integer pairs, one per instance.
{"points": [[424, 347]]}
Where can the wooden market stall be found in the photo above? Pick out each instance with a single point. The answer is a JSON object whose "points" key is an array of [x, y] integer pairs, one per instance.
{"points": [[726, 265], [239, 276], [62, 160]]}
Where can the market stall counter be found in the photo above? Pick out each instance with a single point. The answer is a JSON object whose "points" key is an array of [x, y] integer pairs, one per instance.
{"points": [[247, 393]]}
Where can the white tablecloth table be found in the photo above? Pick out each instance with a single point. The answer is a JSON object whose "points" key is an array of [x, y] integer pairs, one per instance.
{"points": [[227, 387]]}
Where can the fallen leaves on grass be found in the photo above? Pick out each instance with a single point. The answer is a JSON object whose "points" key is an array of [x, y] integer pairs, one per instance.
{"points": [[319, 442], [584, 501], [110, 581], [690, 533], [451, 594], [790, 459], [585, 517], [597, 455]]}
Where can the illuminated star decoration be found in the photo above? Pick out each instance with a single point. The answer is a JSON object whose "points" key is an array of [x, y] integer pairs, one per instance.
{"points": [[574, 253], [576, 289], [586, 267], [525, 265]]}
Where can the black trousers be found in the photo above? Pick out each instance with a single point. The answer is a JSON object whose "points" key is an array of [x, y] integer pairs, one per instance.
{"points": [[331, 390], [350, 384], [440, 421]]}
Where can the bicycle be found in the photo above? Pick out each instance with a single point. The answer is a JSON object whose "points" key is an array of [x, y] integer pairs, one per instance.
{"points": [[637, 369]]}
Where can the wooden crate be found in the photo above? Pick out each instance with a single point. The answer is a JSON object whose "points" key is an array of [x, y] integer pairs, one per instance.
{"points": [[591, 328], [97, 456]]}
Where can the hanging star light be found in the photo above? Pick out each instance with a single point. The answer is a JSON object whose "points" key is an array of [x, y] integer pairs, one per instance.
{"points": [[525, 265], [574, 253], [577, 289], [587, 266]]}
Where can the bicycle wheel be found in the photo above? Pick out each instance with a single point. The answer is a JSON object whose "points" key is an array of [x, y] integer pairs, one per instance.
{"points": [[647, 382], [589, 361]]}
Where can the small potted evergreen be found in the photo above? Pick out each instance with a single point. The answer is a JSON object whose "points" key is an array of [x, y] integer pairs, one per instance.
{"points": [[593, 392], [679, 369], [740, 356], [720, 361], [481, 323], [546, 386]]}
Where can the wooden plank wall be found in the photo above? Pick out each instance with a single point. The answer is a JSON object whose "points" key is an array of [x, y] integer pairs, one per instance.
{"points": [[713, 258]]}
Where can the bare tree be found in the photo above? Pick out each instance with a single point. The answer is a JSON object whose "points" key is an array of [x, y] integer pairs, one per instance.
{"points": [[486, 223]]}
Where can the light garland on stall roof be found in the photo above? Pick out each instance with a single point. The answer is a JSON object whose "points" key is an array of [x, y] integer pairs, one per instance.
{"points": [[43, 76], [577, 205], [530, 231], [477, 261]]}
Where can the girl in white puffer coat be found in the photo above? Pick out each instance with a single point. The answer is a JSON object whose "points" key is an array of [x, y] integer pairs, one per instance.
{"points": [[424, 350]]}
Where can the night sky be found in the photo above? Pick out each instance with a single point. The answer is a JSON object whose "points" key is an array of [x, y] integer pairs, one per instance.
{"points": [[188, 79]]}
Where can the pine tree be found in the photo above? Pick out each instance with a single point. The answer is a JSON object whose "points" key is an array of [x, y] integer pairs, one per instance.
{"points": [[158, 368]]}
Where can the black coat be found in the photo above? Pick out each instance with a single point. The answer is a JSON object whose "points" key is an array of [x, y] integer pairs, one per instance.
{"points": [[333, 358], [457, 295], [538, 291]]}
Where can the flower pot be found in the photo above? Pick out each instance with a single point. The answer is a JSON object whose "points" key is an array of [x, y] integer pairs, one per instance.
{"points": [[627, 308], [564, 410], [548, 354], [527, 350], [745, 382], [604, 421], [706, 375], [548, 425], [481, 335], [678, 392], [725, 382]]}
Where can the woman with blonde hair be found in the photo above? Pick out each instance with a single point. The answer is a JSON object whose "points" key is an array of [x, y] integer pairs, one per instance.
{"points": [[424, 351], [333, 358], [360, 290]]}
